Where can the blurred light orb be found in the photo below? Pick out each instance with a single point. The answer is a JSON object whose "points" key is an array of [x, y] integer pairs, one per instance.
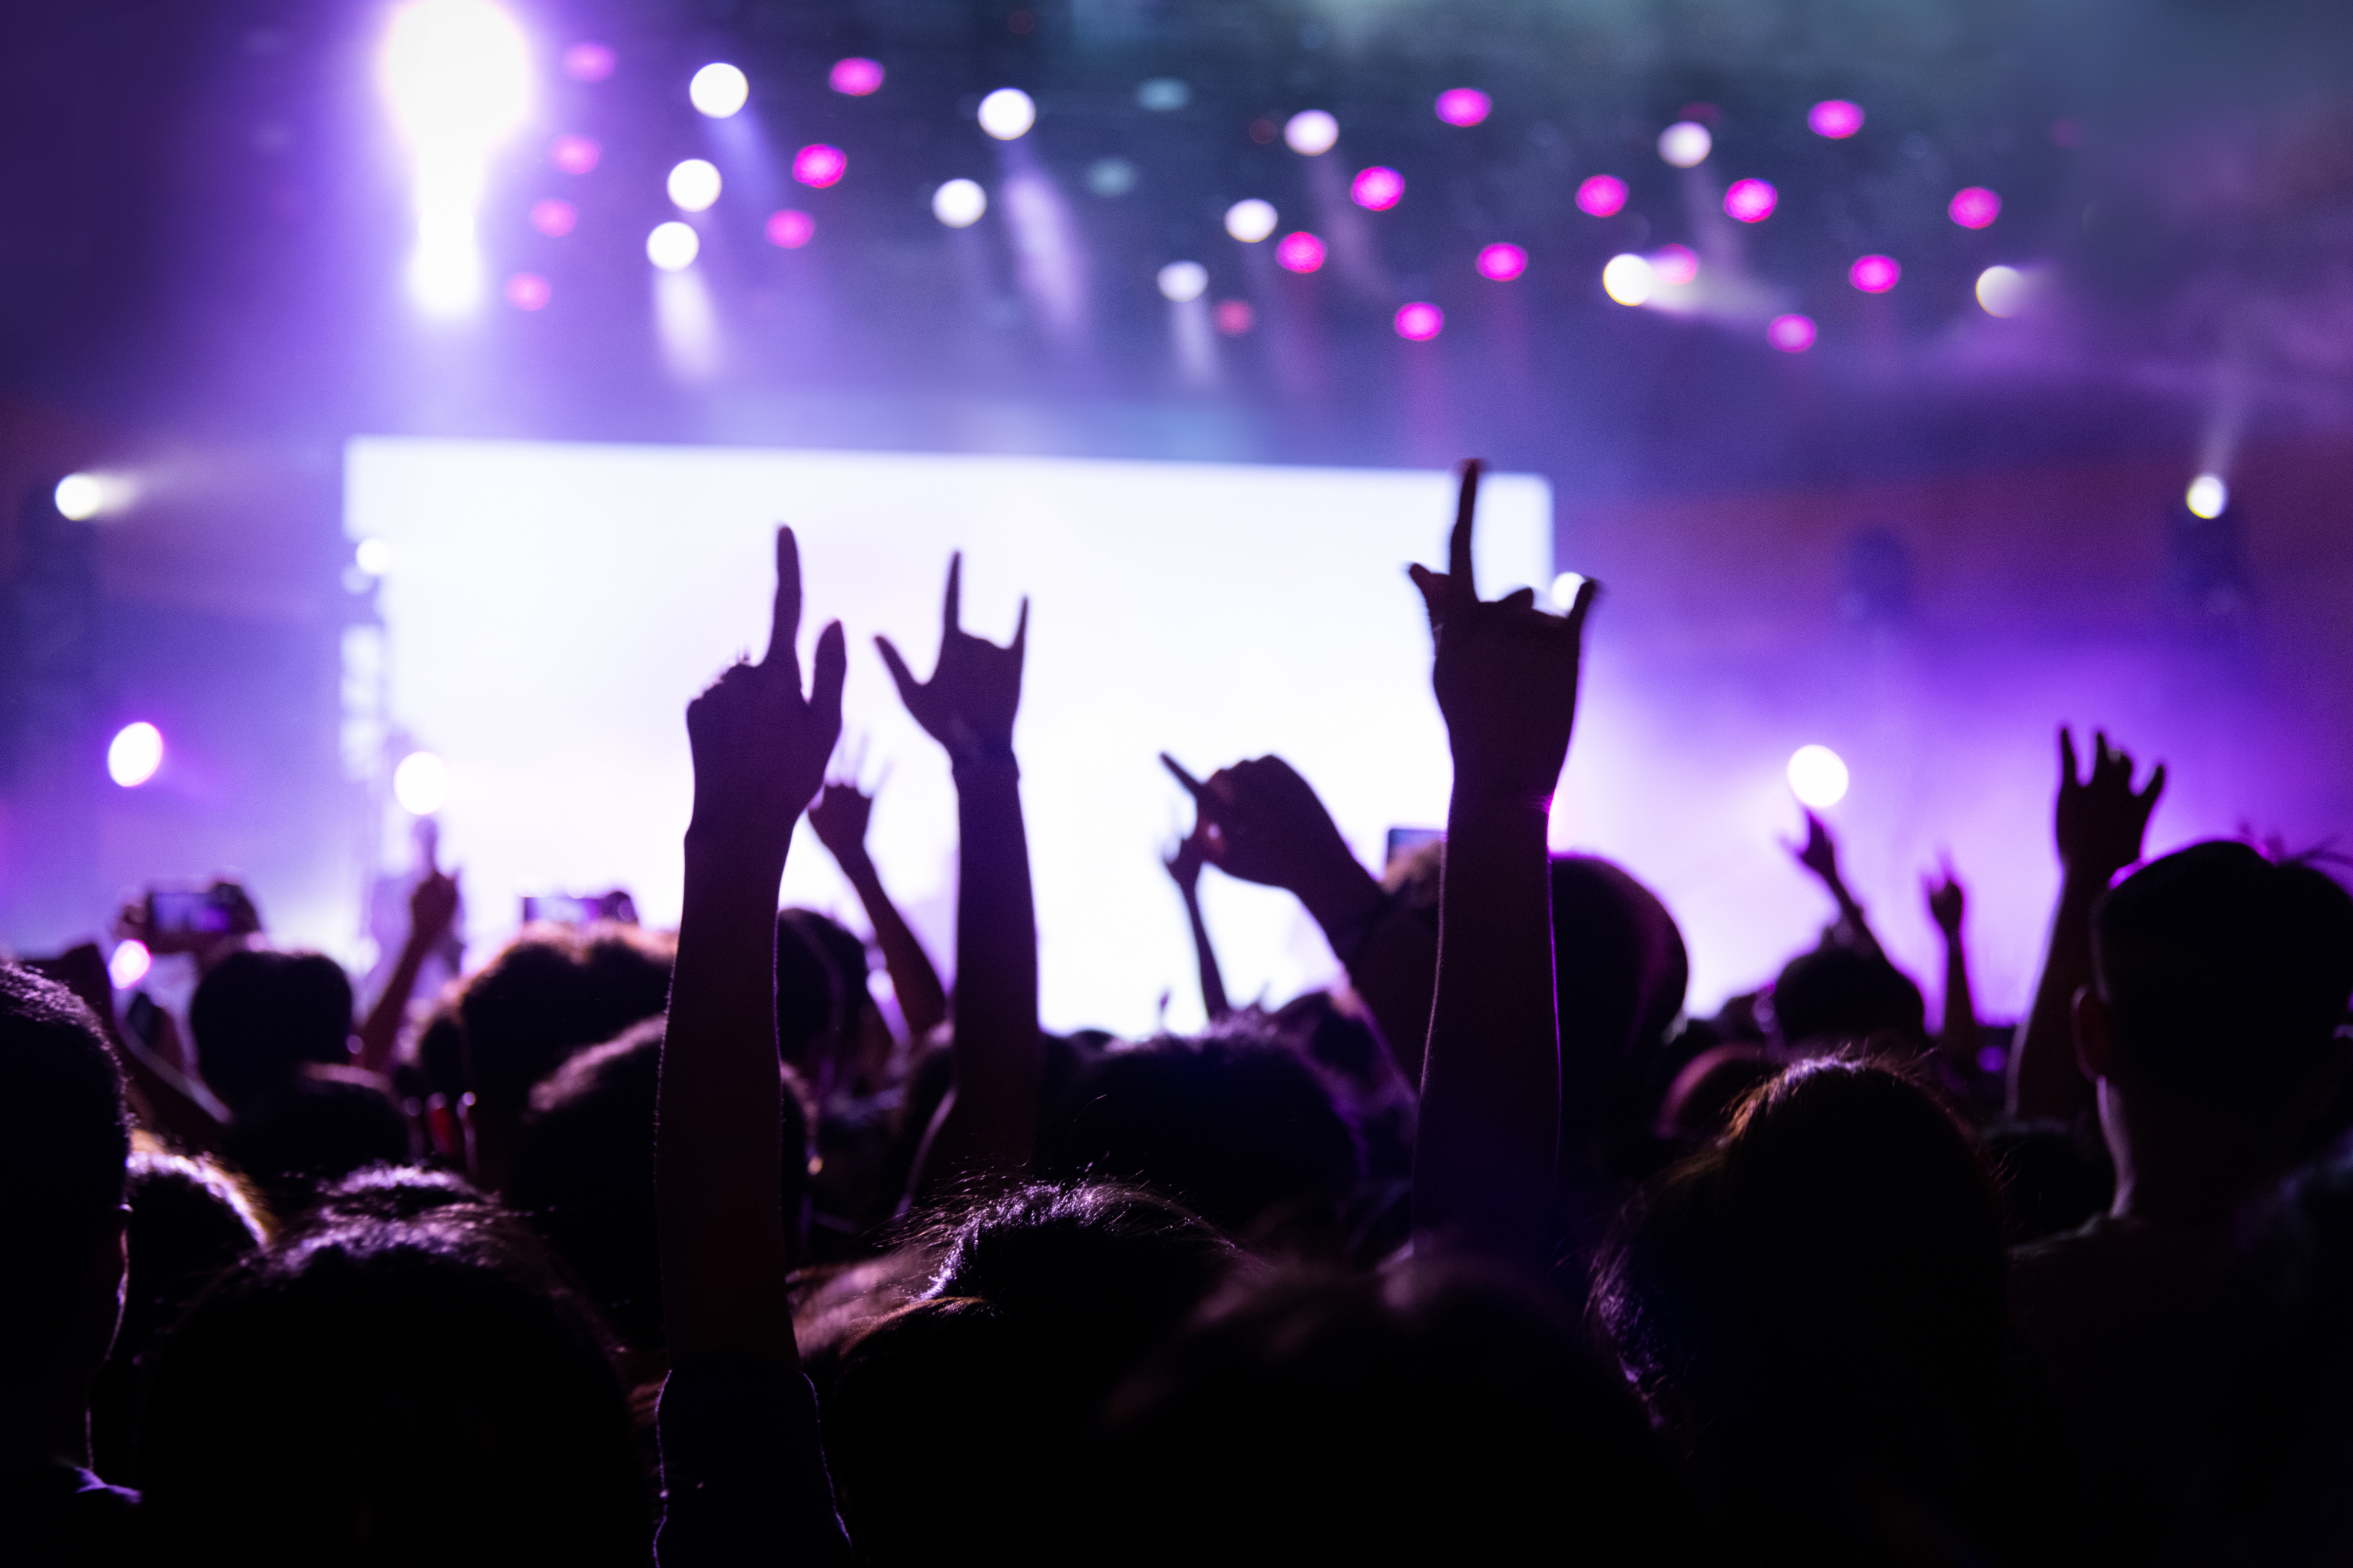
{"points": [[1183, 281], [1299, 251], [719, 89], [1563, 589], [1875, 273], [589, 62], [1674, 265], [1111, 177], [1834, 118], [1793, 333], [1974, 206], [1818, 776], [134, 754], [791, 229], [959, 203], [673, 245], [1750, 201], [2003, 290], [856, 76], [1250, 220], [574, 154], [130, 964], [1235, 317], [2209, 496], [1377, 188], [528, 291], [1464, 106], [1162, 93], [694, 185], [1686, 144], [819, 165], [374, 556], [1419, 322], [1311, 133], [457, 72], [1603, 195], [1628, 279], [421, 783], [1007, 114], [1500, 263], [80, 497], [554, 218]]}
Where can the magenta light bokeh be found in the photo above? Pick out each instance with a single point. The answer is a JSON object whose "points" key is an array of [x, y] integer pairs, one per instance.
{"points": [[791, 229], [1793, 333], [1603, 195], [1299, 252], [528, 291], [1419, 322], [1751, 200], [1875, 273], [1834, 118], [1974, 206], [1675, 264], [1377, 188], [589, 62], [1501, 262], [554, 218], [574, 154], [1464, 106], [1235, 317], [856, 76], [819, 165]]}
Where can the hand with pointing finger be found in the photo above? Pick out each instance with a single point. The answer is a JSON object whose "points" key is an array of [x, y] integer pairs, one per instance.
{"points": [[2100, 819], [968, 704]]}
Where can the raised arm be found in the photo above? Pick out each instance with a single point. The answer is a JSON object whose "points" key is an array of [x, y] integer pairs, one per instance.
{"points": [[1185, 870], [432, 906], [1505, 677], [1961, 1035], [2098, 824], [839, 818], [987, 1125], [1819, 854]]}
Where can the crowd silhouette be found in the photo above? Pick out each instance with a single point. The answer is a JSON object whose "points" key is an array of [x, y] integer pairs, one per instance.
{"points": [[676, 1247]]}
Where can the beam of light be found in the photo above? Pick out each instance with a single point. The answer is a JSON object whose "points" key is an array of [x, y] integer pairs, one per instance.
{"points": [[1834, 118], [686, 325], [421, 783], [1674, 265], [1603, 195], [84, 497], [134, 754], [673, 245], [455, 75], [1974, 206], [1818, 776], [1500, 263], [1464, 106], [130, 964], [1182, 280], [1419, 322], [1686, 144], [1007, 114], [856, 76], [1311, 133], [719, 89], [1250, 220], [1299, 251], [1049, 257], [791, 229], [959, 203], [1793, 333], [1875, 273], [1628, 279], [2209, 496], [693, 185], [1377, 189], [1751, 200]]}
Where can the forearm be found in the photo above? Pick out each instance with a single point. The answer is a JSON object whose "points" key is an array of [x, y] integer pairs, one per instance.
{"points": [[1960, 1031], [1213, 984], [923, 1001], [993, 1124], [2044, 1080], [1851, 916], [381, 1030]]}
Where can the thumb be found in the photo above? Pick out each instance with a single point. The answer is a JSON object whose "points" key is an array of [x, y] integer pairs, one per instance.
{"points": [[900, 674], [825, 682], [1433, 586]]}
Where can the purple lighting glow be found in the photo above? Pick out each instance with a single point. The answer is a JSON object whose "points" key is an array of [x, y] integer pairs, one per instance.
{"points": [[528, 291], [1750, 201], [1603, 195], [1875, 273], [1377, 188], [1674, 264], [554, 218], [1834, 118], [1419, 322], [1464, 106], [819, 165], [1792, 335], [1234, 317], [856, 76], [789, 229], [1974, 208], [574, 154], [589, 62], [1299, 252], [1500, 262]]}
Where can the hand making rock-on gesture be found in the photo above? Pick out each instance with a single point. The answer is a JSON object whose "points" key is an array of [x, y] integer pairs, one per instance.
{"points": [[968, 704]]}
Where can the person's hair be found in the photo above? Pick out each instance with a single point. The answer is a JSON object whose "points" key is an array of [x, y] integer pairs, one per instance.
{"points": [[375, 1388], [1619, 971], [258, 1015], [63, 1160], [549, 993], [2223, 972], [318, 1124], [1840, 994]]}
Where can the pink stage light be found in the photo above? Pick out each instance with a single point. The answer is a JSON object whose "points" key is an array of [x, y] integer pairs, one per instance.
{"points": [[1603, 195], [1835, 118], [1464, 106], [1792, 335], [1974, 208], [1419, 322], [1299, 252], [528, 291], [791, 229], [1377, 188], [574, 154], [1750, 201], [856, 76], [1235, 317], [1500, 262], [1674, 264], [1875, 273], [819, 165], [589, 62], [554, 218]]}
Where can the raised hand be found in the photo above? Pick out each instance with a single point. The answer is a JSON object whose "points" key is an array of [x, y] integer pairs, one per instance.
{"points": [[968, 704], [432, 906], [1819, 853], [2100, 819], [1260, 822], [1945, 901], [839, 817], [1185, 862]]}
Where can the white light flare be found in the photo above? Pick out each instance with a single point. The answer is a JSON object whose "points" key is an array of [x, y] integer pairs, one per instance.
{"points": [[718, 91], [130, 964], [693, 185], [2209, 496], [456, 76], [1007, 114], [959, 203], [83, 497], [1818, 777], [134, 754], [1628, 279], [421, 783]]}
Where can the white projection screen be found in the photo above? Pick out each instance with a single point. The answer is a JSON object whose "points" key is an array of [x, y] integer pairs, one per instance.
{"points": [[550, 608]]}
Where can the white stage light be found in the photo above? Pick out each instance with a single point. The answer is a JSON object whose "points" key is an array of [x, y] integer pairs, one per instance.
{"points": [[1008, 113], [693, 185], [673, 245], [1251, 221], [456, 76], [135, 753], [1818, 776], [374, 556], [1686, 144], [1311, 133], [2209, 495], [421, 783], [718, 89], [80, 497], [1183, 281], [1629, 278], [959, 203]]}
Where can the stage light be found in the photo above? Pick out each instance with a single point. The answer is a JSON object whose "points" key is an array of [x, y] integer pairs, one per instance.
{"points": [[1299, 251], [1674, 265], [1419, 322], [1235, 317], [1628, 279], [959, 203], [1816, 776], [1834, 118], [574, 154], [1111, 177], [1250, 220], [694, 185], [856, 76], [2208, 496], [1792, 335], [820, 165], [1501, 263], [130, 964], [1603, 195], [373, 556], [789, 229], [1311, 133], [718, 91], [1974, 208], [1007, 114], [1183, 281], [673, 245], [1464, 106], [554, 218], [1564, 590], [588, 62], [528, 291], [2003, 290], [1686, 144], [134, 754], [1875, 273], [1750, 201], [1162, 93], [80, 497], [1377, 188], [456, 76], [421, 783]]}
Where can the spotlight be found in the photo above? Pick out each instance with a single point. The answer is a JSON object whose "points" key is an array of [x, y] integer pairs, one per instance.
{"points": [[1299, 252], [1603, 195], [574, 154], [456, 76], [789, 230], [130, 964], [1377, 188], [2004, 291], [1628, 279], [421, 783], [1834, 118], [856, 76], [959, 203], [672, 247], [1816, 776], [528, 291], [1674, 265], [1875, 273], [1686, 144], [1183, 281], [1750, 201], [80, 497], [553, 218], [1251, 221], [694, 185], [1501, 263], [1311, 133], [2208, 496], [1234, 317], [1464, 106], [1974, 208], [1792, 335], [820, 165], [1563, 589], [1419, 322], [588, 62], [719, 89], [134, 754], [1007, 114], [373, 556]]}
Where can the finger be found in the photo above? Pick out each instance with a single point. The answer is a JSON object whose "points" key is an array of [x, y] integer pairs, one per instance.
{"points": [[824, 682], [952, 612], [1193, 787], [2155, 786], [2067, 777], [1582, 605], [900, 674], [1458, 551], [1433, 593], [2100, 750], [785, 619], [1519, 599], [1021, 629]]}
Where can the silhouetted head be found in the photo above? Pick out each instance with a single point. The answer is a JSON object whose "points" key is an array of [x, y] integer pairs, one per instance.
{"points": [[258, 1015], [314, 1126], [548, 992], [1838, 994]]}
